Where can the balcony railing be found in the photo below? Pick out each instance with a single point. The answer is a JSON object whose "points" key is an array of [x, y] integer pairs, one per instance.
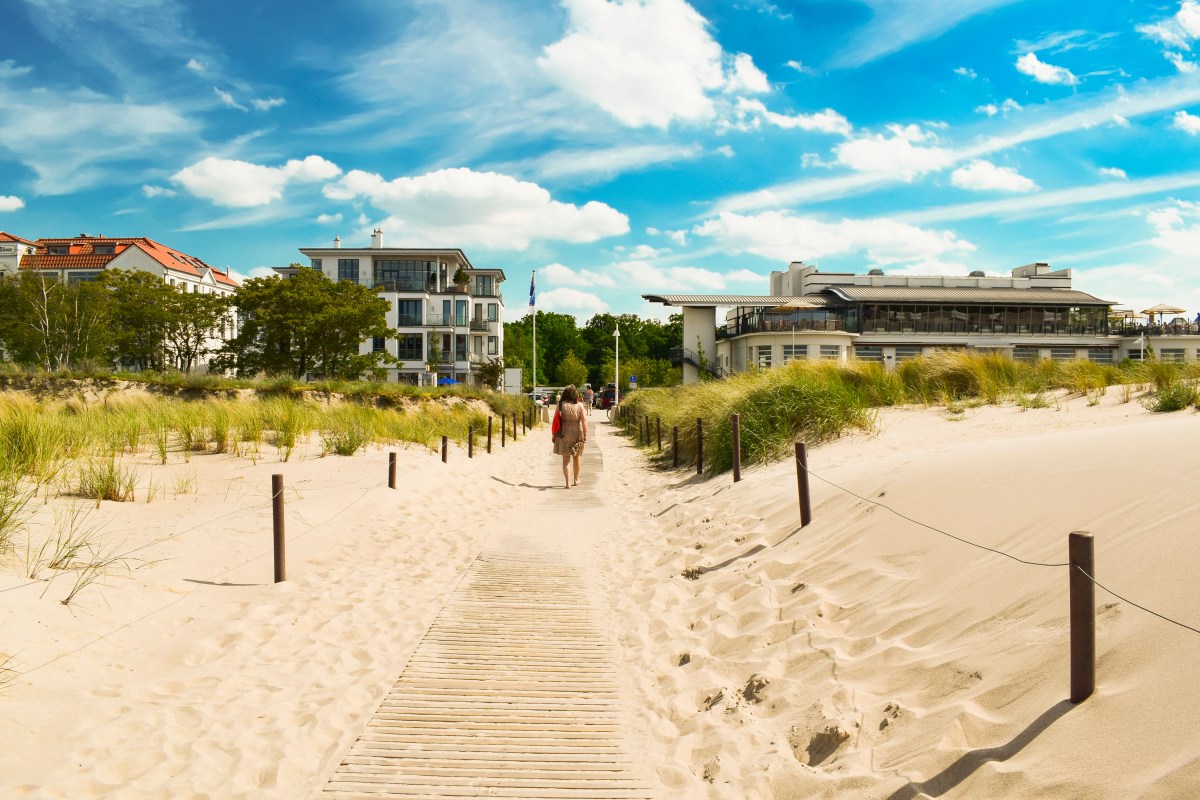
{"points": [[1169, 329], [410, 321], [439, 356], [480, 291], [483, 325], [783, 326], [408, 285], [445, 321]]}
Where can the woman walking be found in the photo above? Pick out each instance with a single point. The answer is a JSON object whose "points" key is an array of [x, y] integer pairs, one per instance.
{"points": [[571, 434]]}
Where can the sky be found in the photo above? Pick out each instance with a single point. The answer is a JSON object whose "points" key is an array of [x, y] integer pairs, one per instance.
{"points": [[620, 147]]}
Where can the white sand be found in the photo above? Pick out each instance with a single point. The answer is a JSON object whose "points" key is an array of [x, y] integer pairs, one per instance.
{"points": [[863, 656]]}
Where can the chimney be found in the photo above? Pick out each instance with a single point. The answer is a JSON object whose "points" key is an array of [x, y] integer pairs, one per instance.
{"points": [[337, 242], [376, 239]]}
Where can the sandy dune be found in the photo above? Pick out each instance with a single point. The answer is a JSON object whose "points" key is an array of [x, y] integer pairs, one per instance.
{"points": [[865, 656]]}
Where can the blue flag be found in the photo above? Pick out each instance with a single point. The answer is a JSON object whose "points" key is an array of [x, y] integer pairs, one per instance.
{"points": [[532, 293]]}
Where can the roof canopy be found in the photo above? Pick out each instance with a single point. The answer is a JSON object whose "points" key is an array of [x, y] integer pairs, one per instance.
{"points": [[839, 295]]}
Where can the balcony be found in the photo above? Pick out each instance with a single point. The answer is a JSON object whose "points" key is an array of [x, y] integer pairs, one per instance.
{"points": [[483, 325], [405, 285], [409, 321], [437, 356]]}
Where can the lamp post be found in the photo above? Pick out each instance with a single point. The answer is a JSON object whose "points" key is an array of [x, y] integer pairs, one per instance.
{"points": [[617, 367]]}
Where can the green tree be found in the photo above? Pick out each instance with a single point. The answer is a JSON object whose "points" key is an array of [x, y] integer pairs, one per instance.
{"points": [[193, 320], [304, 324], [53, 323], [139, 315], [490, 372], [571, 370]]}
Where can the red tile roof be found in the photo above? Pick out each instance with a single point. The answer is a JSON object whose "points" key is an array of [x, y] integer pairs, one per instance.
{"points": [[8, 237], [81, 255]]}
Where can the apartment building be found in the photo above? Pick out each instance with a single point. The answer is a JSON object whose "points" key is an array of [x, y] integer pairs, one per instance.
{"points": [[449, 314]]}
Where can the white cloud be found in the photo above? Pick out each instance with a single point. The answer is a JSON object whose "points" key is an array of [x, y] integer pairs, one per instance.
{"points": [[981, 175], [966, 72], [745, 77], [827, 121], [1181, 63], [267, 103], [1029, 64], [991, 109], [195, 66], [240, 184], [787, 237], [1177, 229], [902, 155], [606, 162], [1113, 172], [562, 275], [1178, 31], [477, 208], [799, 67], [157, 191], [645, 62], [10, 202], [896, 24], [645, 275], [725, 150], [326, 219], [1120, 121], [571, 301], [9, 69], [228, 99], [1188, 123]]}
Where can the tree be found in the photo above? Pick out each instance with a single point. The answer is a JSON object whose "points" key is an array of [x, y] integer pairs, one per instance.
{"points": [[54, 323], [192, 319], [141, 306], [490, 372], [306, 323], [571, 370]]}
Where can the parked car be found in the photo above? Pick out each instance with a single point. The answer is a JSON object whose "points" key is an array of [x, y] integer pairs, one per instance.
{"points": [[605, 399], [538, 398]]}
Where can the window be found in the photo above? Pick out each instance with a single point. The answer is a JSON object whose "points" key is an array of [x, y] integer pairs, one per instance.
{"points": [[77, 276], [830, 352], [59, 250], [1172, 356], [103, 249], [348, 269], [1025, 354], [478, 344], [869, 354], [405, 275], [1062, 353], [316, 264], [493, 345], [377, 344], [409, 347], [483, 285], [1101, 355], [793, 352], [493, 312], [409, 312], [764, 356], [907, 353]]}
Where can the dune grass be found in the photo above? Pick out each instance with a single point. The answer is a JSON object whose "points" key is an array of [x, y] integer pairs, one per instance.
{"points": [[814, 401]]}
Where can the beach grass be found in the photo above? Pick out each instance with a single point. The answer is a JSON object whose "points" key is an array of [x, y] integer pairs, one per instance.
{"points": [[814, 401]]}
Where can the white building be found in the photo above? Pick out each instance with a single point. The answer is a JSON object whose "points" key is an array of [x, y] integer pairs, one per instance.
{"points": [[891, 318], [446, 329], [12, 249]]}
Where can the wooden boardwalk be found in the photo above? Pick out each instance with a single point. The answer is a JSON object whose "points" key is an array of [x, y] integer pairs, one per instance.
{"points": [[510, 694]]}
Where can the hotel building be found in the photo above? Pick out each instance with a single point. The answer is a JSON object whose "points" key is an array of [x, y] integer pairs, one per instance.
{"points": [[446, 330]]}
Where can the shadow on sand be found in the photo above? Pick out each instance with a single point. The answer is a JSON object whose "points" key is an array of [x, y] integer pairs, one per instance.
{"points": [[969, 762]]}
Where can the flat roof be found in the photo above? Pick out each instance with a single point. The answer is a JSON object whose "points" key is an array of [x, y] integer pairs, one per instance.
{"points": [[941, 294], [712, 300]]}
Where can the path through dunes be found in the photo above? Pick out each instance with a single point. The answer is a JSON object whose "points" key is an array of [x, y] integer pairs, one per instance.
{"points": [[512, 692]]}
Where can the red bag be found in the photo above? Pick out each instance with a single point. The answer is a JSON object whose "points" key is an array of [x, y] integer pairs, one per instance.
{"points": [[556, 426]]}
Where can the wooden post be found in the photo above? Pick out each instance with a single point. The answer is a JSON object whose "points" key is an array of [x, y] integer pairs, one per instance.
{"points": [[1083, 616], [802, 483], [445, 448], [523, 428], [277, 518], [675, 446], [489, 435], [699, 446], [735, 423], [503, 429], [514, 426], [647, 418], [470, 441], [392, 470], [658, 428]]}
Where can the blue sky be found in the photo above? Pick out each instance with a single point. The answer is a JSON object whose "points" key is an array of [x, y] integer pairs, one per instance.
{"points": [[620, 147]]}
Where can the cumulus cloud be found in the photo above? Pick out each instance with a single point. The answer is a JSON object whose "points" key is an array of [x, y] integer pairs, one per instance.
{"points": [[562, 275], [10, 69], [646, 62], [481, 208], [799, 66], [991, 109], [983, 175], [784, 236], [826, 121], [1177, 229], [326, 219], [906, 153], [1181, 63], [1188, 123], [240, 184], [157, 191], [1113, 172], [195, 65], [965, 72], [1178, 31], [228, 99], [267, 103], [572, 301], [1029, 64], [10, 202]]}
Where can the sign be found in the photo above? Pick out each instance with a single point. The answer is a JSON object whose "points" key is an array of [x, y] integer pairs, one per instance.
{"points": [[633, 381], [8, 249]]}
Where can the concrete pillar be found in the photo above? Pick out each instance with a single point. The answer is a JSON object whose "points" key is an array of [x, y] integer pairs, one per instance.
{"points": [[701, 323]]}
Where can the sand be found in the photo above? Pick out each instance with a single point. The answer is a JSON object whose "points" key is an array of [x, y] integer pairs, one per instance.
{"points": [[863, 656]]}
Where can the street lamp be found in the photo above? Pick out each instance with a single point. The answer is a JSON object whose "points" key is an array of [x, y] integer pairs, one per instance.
{"points": [[617, 369]]}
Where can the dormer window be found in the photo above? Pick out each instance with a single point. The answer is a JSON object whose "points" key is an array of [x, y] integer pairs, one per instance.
{"points": [[59, 250], [103, 249]]}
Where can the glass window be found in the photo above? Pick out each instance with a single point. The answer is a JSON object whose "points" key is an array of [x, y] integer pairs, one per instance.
{"points": [[80, 277], [409, 313], [493, 345], [493, 312], [348, 269], [869, 354], [1173, 356], [477, 343], [907, 353], [460, 312], [316, 264], [830, 352], [1025, 354], [1101, 355], [377, 344], [404, 275], [764, 355], [1062, 353], [409, 347], [792, 352]]}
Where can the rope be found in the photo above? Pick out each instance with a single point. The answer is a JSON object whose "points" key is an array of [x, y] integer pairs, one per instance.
{"points": [[1163, 617]]}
